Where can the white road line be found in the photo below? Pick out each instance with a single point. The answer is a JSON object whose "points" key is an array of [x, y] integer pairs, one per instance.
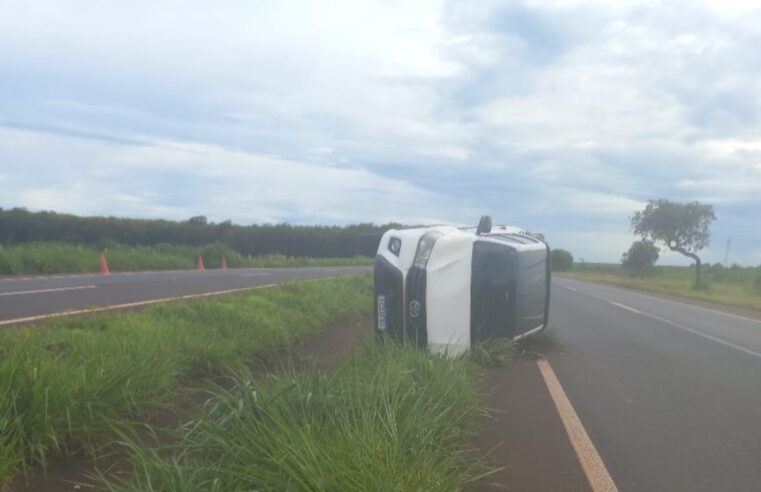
{"points": [[93, 274], [715, 311], [596, 297], [128, 305], [256, 274], [149, 302], [43, 291], [681, 326], [661, 299], [706, 335], [597, 475], [623, 306], [571, 288]]}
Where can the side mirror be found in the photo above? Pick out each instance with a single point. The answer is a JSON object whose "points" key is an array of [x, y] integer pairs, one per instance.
{"points": [[484, 225]]}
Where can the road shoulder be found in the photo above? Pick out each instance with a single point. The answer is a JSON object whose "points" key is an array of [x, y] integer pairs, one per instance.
{"points": [[525, 435]]}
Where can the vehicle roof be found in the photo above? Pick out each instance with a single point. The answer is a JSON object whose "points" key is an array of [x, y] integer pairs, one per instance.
{"points": [[511, 236], [517, 241]]}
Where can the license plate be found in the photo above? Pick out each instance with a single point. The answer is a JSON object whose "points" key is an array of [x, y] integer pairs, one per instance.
{"points": [[381, 312]]}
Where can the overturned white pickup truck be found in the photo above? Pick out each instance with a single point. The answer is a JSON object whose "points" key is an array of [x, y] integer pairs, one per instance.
{"points": [[445, 287]]}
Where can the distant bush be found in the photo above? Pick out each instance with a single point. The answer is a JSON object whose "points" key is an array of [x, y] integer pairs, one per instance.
{"points": [[641, 256], [562, 260]]}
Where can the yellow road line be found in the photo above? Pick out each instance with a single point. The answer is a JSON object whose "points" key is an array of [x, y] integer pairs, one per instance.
{"points": [[597, 475]]}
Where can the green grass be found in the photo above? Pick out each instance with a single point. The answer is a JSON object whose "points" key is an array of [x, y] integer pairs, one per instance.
{"points": [[497, 352], [501, 352], [390, 418], [63, 383], [51, 257], [733, 286]]}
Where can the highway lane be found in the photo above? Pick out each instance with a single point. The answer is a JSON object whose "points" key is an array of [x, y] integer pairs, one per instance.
{"points": [[669, 393], [31, 296]]}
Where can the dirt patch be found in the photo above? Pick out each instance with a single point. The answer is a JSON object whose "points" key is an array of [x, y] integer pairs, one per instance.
{"points": [[324, 350], [525, 435]]}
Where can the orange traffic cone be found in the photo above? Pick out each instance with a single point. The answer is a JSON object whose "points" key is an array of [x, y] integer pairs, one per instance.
{"points": [[103, 265], [199, 264], [223, 265]]}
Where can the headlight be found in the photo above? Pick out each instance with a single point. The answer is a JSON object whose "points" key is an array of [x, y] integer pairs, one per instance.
{"points": [[424, 248]]}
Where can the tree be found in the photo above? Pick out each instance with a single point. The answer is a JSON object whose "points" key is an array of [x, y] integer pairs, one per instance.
{"points": [[641, 255], [682, 227], [562, 260], [19, 226], [198, 220]]}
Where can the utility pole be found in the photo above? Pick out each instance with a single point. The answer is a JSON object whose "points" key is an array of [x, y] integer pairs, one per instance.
{"points": [[726, 253]]}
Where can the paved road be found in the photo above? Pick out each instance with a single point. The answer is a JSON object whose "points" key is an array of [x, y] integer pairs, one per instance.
{"points": [[31, 296], [669, 393]]}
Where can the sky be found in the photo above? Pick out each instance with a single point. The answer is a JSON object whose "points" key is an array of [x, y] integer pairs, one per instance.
{"points": [[557, 116]]}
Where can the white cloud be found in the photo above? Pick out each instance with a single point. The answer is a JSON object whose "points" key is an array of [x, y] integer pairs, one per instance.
{"points": [[56, 199], [559, 114], [146, 179], [731, 145], [725, 188], [593, 246], [602, 203], [733, 7]]}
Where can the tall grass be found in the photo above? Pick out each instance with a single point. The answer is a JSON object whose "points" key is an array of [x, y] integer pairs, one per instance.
{"points": [[64, 382], [56, 257], [734, 286], [391, 418], [502, 352], [495, 352]]}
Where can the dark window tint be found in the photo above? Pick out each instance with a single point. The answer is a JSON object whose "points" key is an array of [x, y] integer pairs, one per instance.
{"points": [[492, 291]]}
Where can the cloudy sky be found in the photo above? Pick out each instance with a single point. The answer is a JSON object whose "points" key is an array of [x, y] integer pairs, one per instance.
{"points": [[556, 116]]}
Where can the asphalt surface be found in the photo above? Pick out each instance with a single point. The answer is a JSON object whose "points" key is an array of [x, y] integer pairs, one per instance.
{"points": [[670, 393], [23, 297]]}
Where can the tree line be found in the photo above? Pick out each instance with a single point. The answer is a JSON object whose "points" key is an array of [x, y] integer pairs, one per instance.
{"points": [[19, 225]]}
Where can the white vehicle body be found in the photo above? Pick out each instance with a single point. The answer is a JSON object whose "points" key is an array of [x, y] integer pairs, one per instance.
{"points": [[445, 287]]}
